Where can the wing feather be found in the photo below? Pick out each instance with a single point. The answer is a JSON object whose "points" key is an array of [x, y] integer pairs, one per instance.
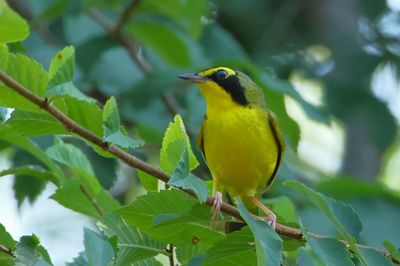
{"points": [[276, 131]]}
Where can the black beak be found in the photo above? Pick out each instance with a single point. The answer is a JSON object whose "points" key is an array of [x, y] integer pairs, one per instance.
{"points": [[193, 77]]}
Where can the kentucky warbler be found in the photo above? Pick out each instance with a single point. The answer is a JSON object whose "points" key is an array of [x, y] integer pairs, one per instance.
{"points": [[239, 138]]}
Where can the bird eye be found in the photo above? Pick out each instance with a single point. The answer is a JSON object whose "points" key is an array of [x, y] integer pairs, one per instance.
{"points": [[221, 74]]}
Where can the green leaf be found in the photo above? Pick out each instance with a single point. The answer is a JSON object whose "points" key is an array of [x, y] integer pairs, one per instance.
{"points": [[54, 10], [3, 56], [374, 257], [113, 72], [7, 134], [175, 142], [81, 260], [87, 114], [62, 67], [237, 247], [133, 245], [6, 239], [120, 139], [182, 178], [70, 155], [173, 49], [13, 28], [220, 44], [188, 15], [149, 182], [70, 195], [112, 128], [106, 202], [347, 188], [28, 187], [143, 211], [191, 228], [30, 252], [394, 252], [28, 73], [188, 253], [329, 250], [150, 87], [69, 89], [6, 260], [147, 262], [98, 250], [283, 208], [267, 241], [172, 216], [111, 118], [35, 124], [342, 216]]}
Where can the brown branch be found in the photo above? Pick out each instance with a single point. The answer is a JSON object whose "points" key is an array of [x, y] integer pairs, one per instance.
{"points": [[6, 250], [135, 162], [126, 14], [170, 249], [133, 49], [116, 33]]}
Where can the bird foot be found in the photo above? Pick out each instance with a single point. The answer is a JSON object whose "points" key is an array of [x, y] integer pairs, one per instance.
{"points": [[216, 208], [270, 219]]}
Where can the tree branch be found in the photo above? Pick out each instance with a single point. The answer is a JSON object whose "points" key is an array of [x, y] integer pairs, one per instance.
{"points": [[115, 32], [7, 251], [133, 49], [135, 162], [170, 250], [126, 14]]}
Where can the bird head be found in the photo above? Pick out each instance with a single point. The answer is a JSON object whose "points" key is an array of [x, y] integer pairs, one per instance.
{"points": [[222, 86]]}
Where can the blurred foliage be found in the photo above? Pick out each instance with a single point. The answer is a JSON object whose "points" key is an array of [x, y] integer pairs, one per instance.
{"points": [[112, 67]]}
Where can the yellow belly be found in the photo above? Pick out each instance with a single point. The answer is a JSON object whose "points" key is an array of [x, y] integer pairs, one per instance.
{"points": [[240, 150]]}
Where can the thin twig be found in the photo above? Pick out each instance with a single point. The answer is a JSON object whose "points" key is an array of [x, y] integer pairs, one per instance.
{"points": [[170, 249], [135, 162], [126, 14], [133, 49], [130, 45], [6, 250]]}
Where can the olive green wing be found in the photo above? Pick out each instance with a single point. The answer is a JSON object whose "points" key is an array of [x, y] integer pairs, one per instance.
{"points": [[280, 142]]}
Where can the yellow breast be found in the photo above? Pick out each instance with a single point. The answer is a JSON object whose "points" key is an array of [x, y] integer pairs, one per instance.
{"points": [[240, 148]]}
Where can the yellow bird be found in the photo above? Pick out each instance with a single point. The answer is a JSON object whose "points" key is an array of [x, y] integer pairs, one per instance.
{"points": [[239, 138]]}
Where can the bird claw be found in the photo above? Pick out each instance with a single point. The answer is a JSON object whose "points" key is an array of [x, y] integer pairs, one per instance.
{"points": [[270, 219], [216, 208]]}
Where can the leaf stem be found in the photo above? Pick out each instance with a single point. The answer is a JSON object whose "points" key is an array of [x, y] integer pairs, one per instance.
{"points": [[93, 201], [135, 162]]}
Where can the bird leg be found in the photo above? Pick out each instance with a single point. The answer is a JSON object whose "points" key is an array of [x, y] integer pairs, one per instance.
{"points": [[270, 218], [216, 208]]}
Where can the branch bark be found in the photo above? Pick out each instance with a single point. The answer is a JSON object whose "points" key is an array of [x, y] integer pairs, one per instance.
{"points": [[135, 162], [126, 14], [6, 250], [133, 49]]}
